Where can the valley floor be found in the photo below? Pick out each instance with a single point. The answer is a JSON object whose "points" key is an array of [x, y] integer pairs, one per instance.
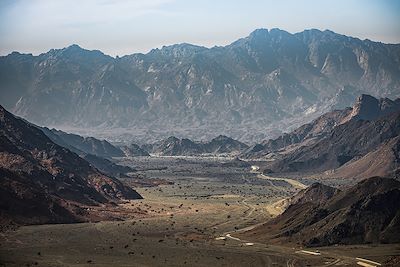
{"points": [[189, 223]]}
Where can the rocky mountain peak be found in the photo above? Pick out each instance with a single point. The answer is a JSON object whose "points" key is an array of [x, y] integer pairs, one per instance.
{"points": [[221, 138], [76, 54], [172, 139], [173, 146], [134, 150], [316, 193], [259, 33], [262, 33], [178, 50], [368, 107], [74, 47]]}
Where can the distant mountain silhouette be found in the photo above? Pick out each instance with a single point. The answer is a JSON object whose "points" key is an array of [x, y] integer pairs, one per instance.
{"points": [[173, 146], [97, 152], [88, 145], [134, 150]]}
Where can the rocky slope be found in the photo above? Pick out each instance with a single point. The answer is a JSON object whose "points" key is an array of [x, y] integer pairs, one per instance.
{"points": [[87, 145], [173, 146], [315, 193], [365, 213], [383, 161], [366, 107], [134, 150], [270, 81], [224, 145], [42, 182], [369, 108], [302, 136], [357, 142], [348, 141], [107, 166]]}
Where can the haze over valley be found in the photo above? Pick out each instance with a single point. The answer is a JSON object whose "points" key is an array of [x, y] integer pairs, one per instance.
{"points": [[280, 148], [270, 82]]}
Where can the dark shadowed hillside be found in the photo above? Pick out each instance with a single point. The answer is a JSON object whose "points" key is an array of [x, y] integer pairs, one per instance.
{"points": [[42, 182], [365, 213], [357, 142], [383, 161], [88, 145], [365, 108], [348, 141], [96, 152], [107, 166]]}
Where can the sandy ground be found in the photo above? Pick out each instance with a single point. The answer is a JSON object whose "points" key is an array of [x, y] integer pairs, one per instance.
{"points": [[189, 223]]}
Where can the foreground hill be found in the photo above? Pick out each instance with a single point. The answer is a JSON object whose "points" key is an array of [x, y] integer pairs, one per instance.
{"points": [[42, 182], [173, 146], [365, 213], [269, 81]]}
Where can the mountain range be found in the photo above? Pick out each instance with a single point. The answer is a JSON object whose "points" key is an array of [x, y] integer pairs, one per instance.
{"points": [[173, 146], [99, 152], [270, 82]]}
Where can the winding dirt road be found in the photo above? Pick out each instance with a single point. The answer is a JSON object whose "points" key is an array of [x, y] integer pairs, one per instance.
{"points": [[292, 182], [276, 208]]}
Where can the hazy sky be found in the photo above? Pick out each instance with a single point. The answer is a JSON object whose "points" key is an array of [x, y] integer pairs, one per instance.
{"points": [[119, 27]]}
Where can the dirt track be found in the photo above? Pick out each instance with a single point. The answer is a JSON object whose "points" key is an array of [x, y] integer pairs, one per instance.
{"points": [[292, 182]]}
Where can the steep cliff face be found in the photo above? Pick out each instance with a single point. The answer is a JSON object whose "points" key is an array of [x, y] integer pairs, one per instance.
{"points": [[270, 81], [370, 108]]}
